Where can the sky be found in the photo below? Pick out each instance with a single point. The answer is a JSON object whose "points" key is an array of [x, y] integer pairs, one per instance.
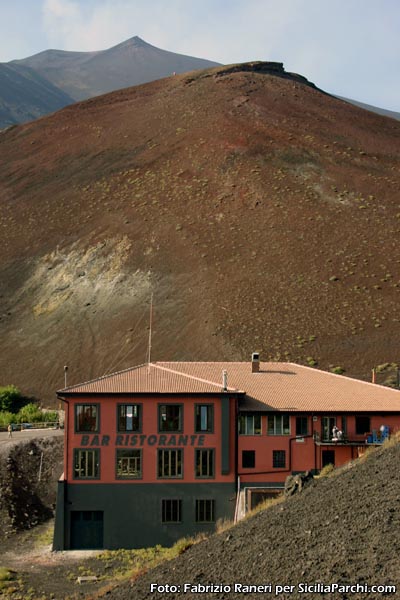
{"points": [[346, 47]]}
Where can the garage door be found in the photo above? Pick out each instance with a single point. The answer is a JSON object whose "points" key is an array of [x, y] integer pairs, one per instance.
{"points": [[86, 529]]}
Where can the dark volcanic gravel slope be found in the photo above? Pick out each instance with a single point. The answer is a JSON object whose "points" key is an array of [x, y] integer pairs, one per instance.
{"points": [[343, 529]]}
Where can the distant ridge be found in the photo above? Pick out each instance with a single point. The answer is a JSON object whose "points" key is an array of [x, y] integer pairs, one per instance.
{"points": [[69, 76], [83, 75], [26, 95], [380, 111]]}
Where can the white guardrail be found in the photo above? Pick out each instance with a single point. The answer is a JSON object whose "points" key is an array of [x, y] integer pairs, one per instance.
{"points": [[29, 426]]}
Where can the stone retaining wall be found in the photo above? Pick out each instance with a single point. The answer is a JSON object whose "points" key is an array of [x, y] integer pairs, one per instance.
{"points": [[29, 471]]}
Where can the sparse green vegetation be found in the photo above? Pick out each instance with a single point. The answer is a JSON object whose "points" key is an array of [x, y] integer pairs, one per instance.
{"points": [[386, 367], [45, 538], [7, 576], [337, 370], [223, 525], [266, 504], [388, 373], [327, 470], [6, 418]]}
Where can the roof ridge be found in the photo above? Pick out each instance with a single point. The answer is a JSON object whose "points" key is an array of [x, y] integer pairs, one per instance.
{"points": [[218, 385], [71, 387], [385, 387]]}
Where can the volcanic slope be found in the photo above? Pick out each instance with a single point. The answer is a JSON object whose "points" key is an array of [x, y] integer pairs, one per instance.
{"points": [[342, 529], [261, 212]]}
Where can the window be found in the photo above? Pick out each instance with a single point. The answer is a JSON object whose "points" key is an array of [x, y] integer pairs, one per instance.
{"points": [[278, 425], [86, 464], [327, 425], [301, 426], [86, 417], [129, 416], [250, 424], [170, 463], [204, 462], [363, 425], [171, 511], [170, 417], [205, 511], [204, 414], [248, 459], [279, 459], [129, 464]]}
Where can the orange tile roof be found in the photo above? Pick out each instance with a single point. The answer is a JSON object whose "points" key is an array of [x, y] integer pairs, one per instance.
{"points": [[156, 378], [278, 386]]}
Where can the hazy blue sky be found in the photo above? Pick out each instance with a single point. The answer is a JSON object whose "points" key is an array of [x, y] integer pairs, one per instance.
{"points": [[347, 47]]}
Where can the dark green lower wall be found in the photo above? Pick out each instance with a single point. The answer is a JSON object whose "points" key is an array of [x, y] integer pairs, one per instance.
{"points": [[132, 513], [59, 529]]}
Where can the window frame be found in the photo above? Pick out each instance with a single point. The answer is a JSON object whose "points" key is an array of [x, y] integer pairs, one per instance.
{"points": [[275, 459], [162, 450], [201, 510], [140, 417], [164, 502], [199, 451], [81, 404], [281, 416], [209, 406], [96, 452], [129, 477], [169, 404], [247, 416]]}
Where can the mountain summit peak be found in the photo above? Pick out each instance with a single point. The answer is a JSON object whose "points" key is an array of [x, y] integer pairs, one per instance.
{"points": [[135, 41]]}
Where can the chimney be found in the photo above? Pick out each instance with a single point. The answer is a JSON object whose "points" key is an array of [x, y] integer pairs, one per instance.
{"points": [[225, 380], [255, 362], [373, 375]]}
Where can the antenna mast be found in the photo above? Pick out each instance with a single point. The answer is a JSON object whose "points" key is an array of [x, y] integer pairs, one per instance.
{"points": [[150, 332]]}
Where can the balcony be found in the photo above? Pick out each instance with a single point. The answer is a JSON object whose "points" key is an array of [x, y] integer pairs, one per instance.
{"points": [[374, 438]]}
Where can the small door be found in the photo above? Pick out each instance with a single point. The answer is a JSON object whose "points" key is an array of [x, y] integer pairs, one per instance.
{"points": [[328, 458], [86, 529]]}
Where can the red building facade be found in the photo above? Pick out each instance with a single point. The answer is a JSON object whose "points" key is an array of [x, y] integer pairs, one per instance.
{"points": [[164, 450]]}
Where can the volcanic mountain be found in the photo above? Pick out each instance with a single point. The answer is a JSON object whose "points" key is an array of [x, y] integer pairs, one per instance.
{"points": [[85, 74], [37, 85], [45, 82], [260, 212]]}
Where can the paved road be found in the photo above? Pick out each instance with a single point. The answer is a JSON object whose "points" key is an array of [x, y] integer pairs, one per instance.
{"points": [[27, 434]]}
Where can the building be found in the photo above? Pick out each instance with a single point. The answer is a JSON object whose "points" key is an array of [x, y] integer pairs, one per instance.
{"points": [[164, 450]]}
